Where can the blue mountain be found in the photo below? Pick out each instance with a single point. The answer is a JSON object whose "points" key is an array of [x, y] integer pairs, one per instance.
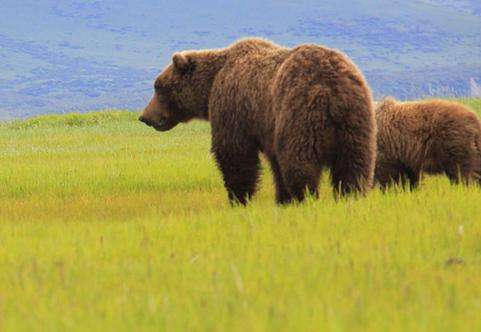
{"points": [[62, 56]]}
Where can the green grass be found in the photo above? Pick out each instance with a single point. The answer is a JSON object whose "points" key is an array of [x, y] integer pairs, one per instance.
{"points": [[106, 224]]}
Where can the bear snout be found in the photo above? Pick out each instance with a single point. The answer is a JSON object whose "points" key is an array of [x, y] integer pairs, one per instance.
{"points": [[145, 120]]}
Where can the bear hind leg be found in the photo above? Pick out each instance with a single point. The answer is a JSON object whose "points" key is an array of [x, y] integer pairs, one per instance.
{"points": [[352, 172], [301, 179], [283, 195], [352, 169]]}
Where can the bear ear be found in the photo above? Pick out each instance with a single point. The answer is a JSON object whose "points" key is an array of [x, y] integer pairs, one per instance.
{"points": [[182, 63]]}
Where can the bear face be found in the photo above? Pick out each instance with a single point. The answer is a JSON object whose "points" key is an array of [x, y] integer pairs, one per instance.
{"points": [[159, 113], [180, 93], [165, 110]]}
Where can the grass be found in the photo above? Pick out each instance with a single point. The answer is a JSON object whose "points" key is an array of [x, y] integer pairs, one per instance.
{"points": [[106, 224]]}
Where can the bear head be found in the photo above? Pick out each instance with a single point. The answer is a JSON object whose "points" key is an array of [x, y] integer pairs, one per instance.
{"points": [[181, 91]]}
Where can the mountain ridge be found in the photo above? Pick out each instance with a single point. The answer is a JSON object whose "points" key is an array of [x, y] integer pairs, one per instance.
{"points": [[83, 55]]}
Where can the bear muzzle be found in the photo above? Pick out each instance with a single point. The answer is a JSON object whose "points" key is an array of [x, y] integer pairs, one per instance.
{"points": [[145, 120], [162, 125]]}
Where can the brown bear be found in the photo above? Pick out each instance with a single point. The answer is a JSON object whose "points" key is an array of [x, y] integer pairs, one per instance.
{"points": [[304, 107], [432, 136]]}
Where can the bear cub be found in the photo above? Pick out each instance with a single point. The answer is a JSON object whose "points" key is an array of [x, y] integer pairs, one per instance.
{"points": [[432, 136]]}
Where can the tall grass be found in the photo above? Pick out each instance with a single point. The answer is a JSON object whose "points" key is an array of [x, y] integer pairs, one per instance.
{"points": [[106, 224]]}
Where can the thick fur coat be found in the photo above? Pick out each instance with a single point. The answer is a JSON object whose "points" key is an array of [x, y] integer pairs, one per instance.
{"points": [[433, 136], [305, 108]]}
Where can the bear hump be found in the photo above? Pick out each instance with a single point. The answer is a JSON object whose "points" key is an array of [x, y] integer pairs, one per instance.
{"points": [[252, 43]]}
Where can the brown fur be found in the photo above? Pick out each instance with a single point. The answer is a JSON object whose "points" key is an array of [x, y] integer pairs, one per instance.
{"points": [[304, 108], [433, 136]]}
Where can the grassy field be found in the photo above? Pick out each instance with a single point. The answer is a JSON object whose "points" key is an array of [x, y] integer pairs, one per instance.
{"points": [[107, 224]]}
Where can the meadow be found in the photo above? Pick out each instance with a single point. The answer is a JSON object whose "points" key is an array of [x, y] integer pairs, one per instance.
{"points": [[106, 224]]}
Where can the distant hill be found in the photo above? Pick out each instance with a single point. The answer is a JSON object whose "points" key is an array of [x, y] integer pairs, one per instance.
{"points": [[61, 56]]}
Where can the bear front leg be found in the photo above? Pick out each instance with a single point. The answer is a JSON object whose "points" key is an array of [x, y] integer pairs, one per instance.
{"points": [[389, 173], [240, 171]]}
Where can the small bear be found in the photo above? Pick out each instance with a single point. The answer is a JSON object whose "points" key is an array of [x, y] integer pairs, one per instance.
{"points": [[431, 136]]}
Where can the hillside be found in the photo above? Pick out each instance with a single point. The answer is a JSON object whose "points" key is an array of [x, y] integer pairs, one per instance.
{"points": [[77, 55]]}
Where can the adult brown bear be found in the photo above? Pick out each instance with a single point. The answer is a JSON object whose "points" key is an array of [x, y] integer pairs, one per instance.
{"points": [[433, 136], [305, 108]]}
